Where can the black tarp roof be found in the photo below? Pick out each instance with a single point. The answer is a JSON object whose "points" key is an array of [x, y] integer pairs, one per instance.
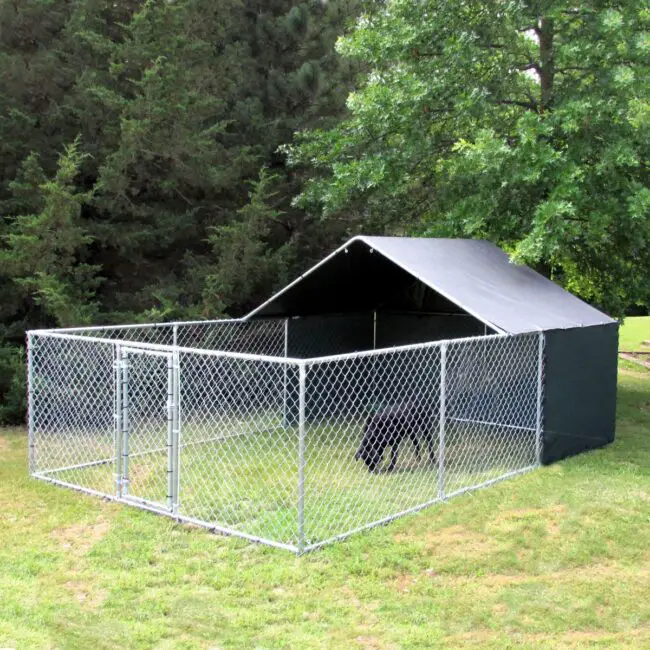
{"points": [[474, 276]]}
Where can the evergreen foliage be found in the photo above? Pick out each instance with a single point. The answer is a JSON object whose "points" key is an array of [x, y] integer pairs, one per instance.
{"points": [[140, 174]]}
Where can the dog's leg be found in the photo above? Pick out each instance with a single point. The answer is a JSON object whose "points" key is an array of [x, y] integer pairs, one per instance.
{"points": [[416, 444], [432, 450], [393, 456]]}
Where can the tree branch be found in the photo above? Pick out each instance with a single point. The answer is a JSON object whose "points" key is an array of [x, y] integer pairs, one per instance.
{"points": [[575, 67], [531, 106], [530, 66]]}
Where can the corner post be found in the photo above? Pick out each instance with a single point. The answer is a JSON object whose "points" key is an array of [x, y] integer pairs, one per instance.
{"points": [[30, 404], [301, 458], [441, 426], [540, 397]]}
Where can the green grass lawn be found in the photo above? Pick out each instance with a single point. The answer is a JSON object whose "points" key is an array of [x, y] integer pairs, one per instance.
{"points": [[633, 333], [249, 482], [557, 558]]}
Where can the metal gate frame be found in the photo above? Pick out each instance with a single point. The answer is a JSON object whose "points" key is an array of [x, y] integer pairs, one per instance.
{"points": [[123, 426]]}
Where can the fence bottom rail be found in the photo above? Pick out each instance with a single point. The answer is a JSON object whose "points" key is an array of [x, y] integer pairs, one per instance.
{"points": [[299, 549]]}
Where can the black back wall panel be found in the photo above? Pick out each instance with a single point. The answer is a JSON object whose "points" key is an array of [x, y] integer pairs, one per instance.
{"points": [[580, 390]]}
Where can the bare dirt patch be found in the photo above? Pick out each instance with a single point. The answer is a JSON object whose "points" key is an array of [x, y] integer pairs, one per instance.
{"points": [[404, 582], [372, 643], [407, 581], [593, 573], [641, 359], [79, 538], [632, 638], [516, 520], [86, 594], [492, 583], [452, 541], [368, 608]]}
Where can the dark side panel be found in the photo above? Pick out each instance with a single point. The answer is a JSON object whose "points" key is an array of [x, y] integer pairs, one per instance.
{"points": [[320, 336], [580, 390], [395, 328]]}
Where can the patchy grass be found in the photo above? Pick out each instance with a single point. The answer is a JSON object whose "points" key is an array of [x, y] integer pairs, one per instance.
{"points": [[558, 558], [632, 335], [249, 482]]}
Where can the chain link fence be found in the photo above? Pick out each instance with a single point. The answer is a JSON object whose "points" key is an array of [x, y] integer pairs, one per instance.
{"points": [[214, 423]]}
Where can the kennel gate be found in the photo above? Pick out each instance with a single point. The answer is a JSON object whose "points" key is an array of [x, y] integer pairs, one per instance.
{"points": [[147, 426], [262, 446]]}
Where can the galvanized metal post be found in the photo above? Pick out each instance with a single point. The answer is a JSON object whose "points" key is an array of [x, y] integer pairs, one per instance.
{"points": [[171, 478], [441, 426], [30, 404], [301, 459], [540, 394], [124, 483], [118, 419], [176, 426]]}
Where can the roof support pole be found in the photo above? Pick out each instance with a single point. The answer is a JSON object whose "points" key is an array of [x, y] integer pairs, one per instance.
{"points": [[374, 329]]}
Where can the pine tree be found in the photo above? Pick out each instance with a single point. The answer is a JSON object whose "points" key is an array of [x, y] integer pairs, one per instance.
{"points": [[46, 251]]}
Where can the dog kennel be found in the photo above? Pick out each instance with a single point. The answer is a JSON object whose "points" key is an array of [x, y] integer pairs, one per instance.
{"points": [[251, 426]]}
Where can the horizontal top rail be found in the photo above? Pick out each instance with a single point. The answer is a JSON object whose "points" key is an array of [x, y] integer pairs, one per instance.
{"points": [[127, 349], [133, 326], [137, 345], [125, 343], [413, 346]]}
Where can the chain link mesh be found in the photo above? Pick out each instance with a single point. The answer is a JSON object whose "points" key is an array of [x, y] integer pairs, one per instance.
{"points": [[72, 411], [145, 393], [156, 334], [318, 336], [291, 452], [239, 454], [263, 337]]}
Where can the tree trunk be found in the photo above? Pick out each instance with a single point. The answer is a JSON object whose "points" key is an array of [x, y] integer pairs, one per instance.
{"points": [[547, 63]]}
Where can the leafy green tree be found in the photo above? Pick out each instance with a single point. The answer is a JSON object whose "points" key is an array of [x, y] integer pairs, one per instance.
{"points": [[13, 400], [526, 123]]}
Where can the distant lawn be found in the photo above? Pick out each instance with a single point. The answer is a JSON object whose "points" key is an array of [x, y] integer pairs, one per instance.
{"points": [[557, 558], [633, 333]]}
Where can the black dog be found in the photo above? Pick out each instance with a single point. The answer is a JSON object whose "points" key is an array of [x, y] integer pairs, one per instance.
{"points": [[388, 426]]}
